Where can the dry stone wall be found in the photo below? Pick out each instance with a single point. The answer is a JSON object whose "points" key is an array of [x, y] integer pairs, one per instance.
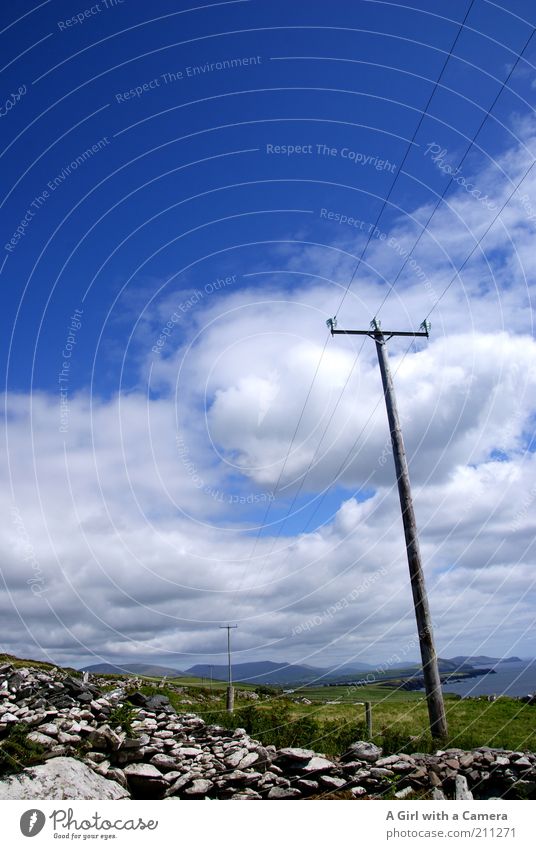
{"points": [[172, 756]]}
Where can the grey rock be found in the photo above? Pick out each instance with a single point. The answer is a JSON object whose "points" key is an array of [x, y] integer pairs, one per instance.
{"points": [[316, 764], [295, 754], [438, 794], [188, 752], [435, 780], [381, 772], [42, 739], [307, 785], [172, 776], [357, 792], [462, 788], [404, 792], [268, 778], [105, 738], [141, 770], [332, 782], [364, 751], [283, 793], [145, 781], [199, 787], [68, 739], [164, 762], [60, 778], [180, 783], [402, 766], [388, 761], [234, 758], [250, 759]]}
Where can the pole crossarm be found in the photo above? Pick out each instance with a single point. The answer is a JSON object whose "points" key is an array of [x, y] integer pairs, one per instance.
{"points": [[376, 332], [372, 333]]}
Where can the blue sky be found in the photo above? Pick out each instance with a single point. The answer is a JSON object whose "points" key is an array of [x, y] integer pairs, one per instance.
{"points": [[175, 233]]}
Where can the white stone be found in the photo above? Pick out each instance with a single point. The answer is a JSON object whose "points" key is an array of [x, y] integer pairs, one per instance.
{"points": [[60, 778]]}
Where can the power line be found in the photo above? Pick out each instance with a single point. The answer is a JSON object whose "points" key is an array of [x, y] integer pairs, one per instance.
{"points": [[311, 463], [291, 443], [462, 160], [342, 467], [363, 252], [406, 154], [482, 237], [441, 198]]}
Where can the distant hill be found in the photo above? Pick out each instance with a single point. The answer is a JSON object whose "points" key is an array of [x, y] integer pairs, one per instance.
{"points": [[282, 673], [483, 660], [260, 672], [350, 668], [131, 668], [268, 672]]}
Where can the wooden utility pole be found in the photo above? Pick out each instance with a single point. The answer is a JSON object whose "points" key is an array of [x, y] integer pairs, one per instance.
{"points": [[230, 689], [432, 681]]}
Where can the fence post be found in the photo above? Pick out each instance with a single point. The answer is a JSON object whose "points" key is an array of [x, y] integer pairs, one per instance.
{"points": [[368, 714]]}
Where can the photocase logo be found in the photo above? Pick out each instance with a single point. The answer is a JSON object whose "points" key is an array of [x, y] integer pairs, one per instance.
{"points": [[32, 822]]}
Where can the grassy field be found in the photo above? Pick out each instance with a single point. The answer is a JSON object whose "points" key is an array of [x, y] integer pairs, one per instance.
{"points": [[399, 718], [505, 723], [355, 695]]}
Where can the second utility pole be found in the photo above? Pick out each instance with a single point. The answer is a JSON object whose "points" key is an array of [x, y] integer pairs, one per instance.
{"points": [[230, 690], [430, 669]]}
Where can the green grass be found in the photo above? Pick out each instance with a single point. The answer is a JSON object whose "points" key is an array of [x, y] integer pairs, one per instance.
{"points": [[207, 684], [399, 717], [400, 721], [17, 752], [351, 695], [505, 723]]}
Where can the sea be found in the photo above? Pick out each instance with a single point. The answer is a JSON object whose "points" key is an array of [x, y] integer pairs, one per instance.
{"points": [[510, 679]]}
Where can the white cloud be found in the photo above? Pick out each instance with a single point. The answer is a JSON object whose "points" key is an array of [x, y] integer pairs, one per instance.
{"points": [[131, 523]]}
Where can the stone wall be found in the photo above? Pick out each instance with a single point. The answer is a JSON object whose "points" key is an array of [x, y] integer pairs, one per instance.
{"points": [[171, 756]]}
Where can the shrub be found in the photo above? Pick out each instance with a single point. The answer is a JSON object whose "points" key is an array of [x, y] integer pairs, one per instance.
{"points": [[123, 715]]}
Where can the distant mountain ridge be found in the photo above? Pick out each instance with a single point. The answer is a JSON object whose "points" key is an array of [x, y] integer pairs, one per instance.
{"points": [[150, 669], [477, 660], [283, 673], [268, 672]]}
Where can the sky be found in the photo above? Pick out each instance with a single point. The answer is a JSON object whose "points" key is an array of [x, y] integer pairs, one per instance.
{"points": [[191, 192]]}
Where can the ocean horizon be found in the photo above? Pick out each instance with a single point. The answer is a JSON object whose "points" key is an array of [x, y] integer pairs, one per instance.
{"points": [[508, 679]]}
